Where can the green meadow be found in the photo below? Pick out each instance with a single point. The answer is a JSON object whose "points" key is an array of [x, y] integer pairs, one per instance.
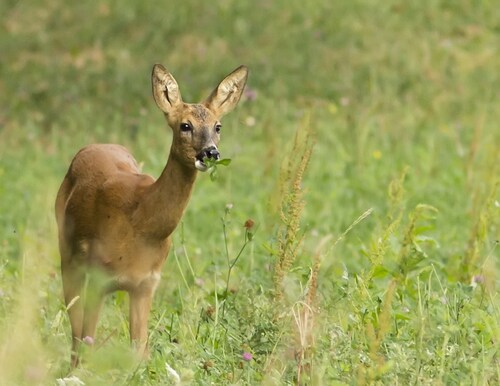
{"points": [[365, 151]]}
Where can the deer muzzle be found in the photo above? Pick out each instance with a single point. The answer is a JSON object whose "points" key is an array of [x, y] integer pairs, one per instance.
{"points": [[210, 152]]}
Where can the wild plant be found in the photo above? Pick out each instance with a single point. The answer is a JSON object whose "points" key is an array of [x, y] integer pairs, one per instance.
{"points": [[289, 235]]}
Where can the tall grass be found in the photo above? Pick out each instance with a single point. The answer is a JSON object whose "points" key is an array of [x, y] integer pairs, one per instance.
{"points": [[291, 199]]}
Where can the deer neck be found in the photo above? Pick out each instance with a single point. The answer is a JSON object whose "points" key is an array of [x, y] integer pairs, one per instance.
{"points": [[164, 201]]}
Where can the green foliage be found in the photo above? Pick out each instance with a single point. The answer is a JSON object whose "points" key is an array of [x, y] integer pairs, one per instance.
{"points": [[403, 100], [212, 166]]}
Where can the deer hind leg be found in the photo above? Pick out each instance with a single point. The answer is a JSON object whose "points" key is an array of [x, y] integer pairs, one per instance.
{"points": [[94, 299], [73, 284], [84, 297]]}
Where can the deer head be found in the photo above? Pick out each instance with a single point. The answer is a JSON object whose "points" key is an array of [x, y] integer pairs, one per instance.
{"points": [[196, 127]]}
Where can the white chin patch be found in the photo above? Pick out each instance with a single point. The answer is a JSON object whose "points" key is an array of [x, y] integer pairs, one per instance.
{"points": [[200, 166]]}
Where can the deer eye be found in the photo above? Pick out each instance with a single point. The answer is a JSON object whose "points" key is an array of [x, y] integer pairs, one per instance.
{"points": [[218, 127], [185, 127]]}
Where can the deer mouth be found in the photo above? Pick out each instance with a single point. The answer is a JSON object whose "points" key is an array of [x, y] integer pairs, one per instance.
{"points": [[210, 153], [200, 165]]}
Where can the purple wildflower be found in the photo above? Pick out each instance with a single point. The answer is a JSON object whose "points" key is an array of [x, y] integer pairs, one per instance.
{"points": [[88, 340], [250, 94], [477, 280], [247, 356]]}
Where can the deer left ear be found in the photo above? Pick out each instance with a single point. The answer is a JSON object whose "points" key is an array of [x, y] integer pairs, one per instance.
{"points": [[227, 94]]}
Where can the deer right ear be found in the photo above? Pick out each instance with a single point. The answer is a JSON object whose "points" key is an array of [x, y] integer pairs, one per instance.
{"points": [[165, 89]]}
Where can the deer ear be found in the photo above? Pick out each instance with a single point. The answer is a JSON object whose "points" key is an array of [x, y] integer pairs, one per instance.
{"points": [[165, 89], [228, 93]]}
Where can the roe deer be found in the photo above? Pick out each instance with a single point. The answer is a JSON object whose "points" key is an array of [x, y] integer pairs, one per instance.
{"points": [[115, 224]]}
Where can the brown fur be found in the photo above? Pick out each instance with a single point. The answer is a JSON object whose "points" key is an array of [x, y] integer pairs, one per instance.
{"points": [[115, 224]]}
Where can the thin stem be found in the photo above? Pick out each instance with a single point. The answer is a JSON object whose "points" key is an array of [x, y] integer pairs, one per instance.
{"points": [[184, 249], [180, 269], [225, 237], [230, 264]]}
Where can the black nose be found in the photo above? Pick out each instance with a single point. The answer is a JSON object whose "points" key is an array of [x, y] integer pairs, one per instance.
{"points": [[211, 152]]}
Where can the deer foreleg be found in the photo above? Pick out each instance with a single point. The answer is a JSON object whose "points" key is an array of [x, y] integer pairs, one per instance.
{"points": [[140, 305]]}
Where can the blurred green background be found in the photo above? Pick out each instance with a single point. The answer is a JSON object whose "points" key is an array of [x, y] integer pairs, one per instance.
{"points": [[386, 87]]}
